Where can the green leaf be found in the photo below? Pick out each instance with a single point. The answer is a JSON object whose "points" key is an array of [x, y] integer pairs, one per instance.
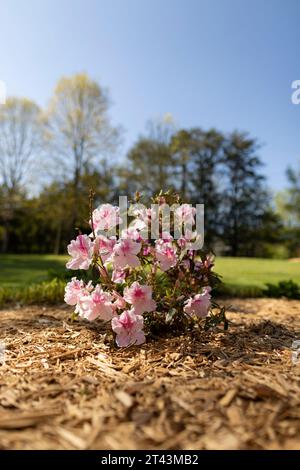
{"points": [[170, 315]]}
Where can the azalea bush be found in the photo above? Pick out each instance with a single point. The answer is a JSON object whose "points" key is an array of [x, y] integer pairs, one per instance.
{"points": [[141, 285]]}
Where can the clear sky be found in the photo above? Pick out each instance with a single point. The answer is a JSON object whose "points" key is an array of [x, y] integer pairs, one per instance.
{"points": [[222, 63]]}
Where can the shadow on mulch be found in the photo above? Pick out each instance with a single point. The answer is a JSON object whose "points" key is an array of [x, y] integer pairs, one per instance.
{"points": [[249, 341], [242, 343]]}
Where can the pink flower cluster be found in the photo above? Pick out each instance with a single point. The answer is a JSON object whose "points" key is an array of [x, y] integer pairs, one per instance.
{"points": [[199, 304], [125, 313], [128, 267]]}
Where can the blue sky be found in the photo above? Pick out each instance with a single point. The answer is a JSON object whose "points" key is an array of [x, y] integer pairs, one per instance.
{"points": [[222, 63]]}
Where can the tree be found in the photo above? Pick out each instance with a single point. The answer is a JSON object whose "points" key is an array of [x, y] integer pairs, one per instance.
{"points": [[20, 142], [198, 154], [149, 165], [41, 223], [181, 148], [57, 217], [79, 129], [292, 204], [245, 199], [288, 206]]}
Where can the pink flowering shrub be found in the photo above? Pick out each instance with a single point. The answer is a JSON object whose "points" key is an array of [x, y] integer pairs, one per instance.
{"points": [[143, 285]]}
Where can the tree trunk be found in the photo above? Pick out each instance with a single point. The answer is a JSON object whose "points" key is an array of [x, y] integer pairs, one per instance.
{"points": [[235, 239], [5, 238], [183, 181], [57, 239], [75, 202]]}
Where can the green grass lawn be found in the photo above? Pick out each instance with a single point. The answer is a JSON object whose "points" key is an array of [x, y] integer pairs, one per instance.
{"points": [[245, 272], [23, 270]]}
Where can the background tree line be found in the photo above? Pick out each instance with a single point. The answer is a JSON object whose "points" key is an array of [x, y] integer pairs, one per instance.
{"points": [[70, 147]]}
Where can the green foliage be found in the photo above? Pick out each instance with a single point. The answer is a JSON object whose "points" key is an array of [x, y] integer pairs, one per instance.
{"points": [[223, 171], [242, 277], [48, 216], [292, 203], [51, 292], [288, 289], [149, 165], [245, 201], [197, 156], [275, 250], [288, 207], [239, 291], [46, 292]]}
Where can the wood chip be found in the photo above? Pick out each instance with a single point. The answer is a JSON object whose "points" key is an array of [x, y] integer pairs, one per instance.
{"points": [[228, 397], [124, 398], [65, 386]]}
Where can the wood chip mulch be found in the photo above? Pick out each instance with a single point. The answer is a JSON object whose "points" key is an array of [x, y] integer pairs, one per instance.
{"points": [[63, 385]]}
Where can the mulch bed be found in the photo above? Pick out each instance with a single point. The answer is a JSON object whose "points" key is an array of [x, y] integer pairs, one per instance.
{"points": [[63, 386]]}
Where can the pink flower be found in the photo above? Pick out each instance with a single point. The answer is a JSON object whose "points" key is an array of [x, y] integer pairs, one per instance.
{"points": [[119, 302], [97, 304], [185, 214], [125, 253], [140, 297], [166, 255], [187, 237], [129, 329], [81, 251], [144, 217], [132, 233], [106, 217], [118, 276], [146, 250], [104, 247], [199, 304], [75, 289], [166, 237]]}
